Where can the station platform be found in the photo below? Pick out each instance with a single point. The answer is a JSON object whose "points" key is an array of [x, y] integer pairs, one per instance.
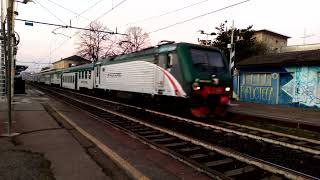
{"points": [[304, 118], [78, 147]]}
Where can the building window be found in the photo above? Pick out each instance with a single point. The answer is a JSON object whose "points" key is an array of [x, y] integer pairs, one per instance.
{"points": [[89, 74], [257, 79], [85, 75]]}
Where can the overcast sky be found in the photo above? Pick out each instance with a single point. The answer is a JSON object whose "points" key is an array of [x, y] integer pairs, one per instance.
{"points": [[39, 44]]}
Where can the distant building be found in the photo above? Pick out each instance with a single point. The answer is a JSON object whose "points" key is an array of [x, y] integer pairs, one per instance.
{"points": [[304, 47], [290, 78], [274, 41], [70, 61]]}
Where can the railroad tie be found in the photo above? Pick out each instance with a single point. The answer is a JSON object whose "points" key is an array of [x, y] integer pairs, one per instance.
{"points": [[175, 144], [163, 139], [154, 135], [189, 149], [196, 156], [239, 171], [219, 162]]}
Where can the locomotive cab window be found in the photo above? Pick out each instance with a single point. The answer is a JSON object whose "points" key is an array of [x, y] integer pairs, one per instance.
{"points": [[207, 60]]}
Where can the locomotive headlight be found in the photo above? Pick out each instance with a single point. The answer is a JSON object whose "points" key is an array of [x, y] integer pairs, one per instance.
{"points": [[227, 89], [196, 86]]}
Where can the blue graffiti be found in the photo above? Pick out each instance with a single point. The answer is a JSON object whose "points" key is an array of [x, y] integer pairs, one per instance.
{"points": [[304, 88], [257, 94]]}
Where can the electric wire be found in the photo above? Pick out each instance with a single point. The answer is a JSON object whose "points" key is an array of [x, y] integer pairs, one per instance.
{"points": [[90, 7], [89, 24], [196, 17], [60, 45], [79, 15], [164, 14], [31, 62], [37, 2], [67, 26], [110, 9]]}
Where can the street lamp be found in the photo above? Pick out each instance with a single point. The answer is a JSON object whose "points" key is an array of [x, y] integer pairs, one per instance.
{"points": [[131, 46], [207, 34]]}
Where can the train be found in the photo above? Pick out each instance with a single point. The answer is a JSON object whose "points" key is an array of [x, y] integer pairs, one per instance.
{"points": [[188, 74]]}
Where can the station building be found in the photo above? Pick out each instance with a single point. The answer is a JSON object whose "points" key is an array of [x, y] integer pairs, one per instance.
{"points": [[289, 78], [70, 61]]}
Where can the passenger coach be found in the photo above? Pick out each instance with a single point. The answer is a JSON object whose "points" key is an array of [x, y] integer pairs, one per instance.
{"points": [[193, 74]]}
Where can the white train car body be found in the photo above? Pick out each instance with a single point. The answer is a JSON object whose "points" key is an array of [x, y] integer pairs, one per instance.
{"points": [[56, 78], [69, 80], [139, 77], [85, 79]]}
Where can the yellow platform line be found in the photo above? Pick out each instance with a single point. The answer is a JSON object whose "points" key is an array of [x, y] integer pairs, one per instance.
{"points": [[125, 165]]}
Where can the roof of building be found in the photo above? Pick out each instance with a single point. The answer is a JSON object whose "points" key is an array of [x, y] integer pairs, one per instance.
{"points": [[73, 58], [295, 58], [272, 33]]}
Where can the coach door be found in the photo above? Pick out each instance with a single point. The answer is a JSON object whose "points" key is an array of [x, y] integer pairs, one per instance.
{"points": [[76, 81], [97, 74]]}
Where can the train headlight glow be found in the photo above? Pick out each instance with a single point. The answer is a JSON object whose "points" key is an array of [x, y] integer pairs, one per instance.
{"points": [[227, 89], [196, 86]]}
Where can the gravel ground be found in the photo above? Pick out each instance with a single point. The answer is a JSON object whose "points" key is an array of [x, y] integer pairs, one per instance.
{"points": [[21, 165]]}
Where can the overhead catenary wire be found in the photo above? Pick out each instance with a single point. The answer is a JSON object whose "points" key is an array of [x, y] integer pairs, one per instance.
{"points": [[31, 62], [59, 5], [67, 26], [90, 23], [92, 6], [199, 16], [60, 45], [107, 12], [37, 2], [166, 13]]}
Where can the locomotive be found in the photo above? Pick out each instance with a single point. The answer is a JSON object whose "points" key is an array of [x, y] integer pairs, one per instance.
{"points": [[196, 75]]}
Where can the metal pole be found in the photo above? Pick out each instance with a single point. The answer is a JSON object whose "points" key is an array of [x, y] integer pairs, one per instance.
{"points": [[10, 62], [232, 49]]}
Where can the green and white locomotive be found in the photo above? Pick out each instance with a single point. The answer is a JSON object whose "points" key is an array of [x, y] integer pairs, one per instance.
{"points": [[195, 74]]}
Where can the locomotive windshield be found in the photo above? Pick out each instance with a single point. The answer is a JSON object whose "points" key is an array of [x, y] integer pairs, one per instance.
{"points": [[205, 60]]}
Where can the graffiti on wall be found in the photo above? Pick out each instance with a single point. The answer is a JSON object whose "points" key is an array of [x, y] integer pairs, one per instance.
{"points": [[256, 93], [304, 87]]}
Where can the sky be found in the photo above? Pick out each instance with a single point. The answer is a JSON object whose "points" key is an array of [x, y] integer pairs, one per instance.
{"points": [[39, 46]]}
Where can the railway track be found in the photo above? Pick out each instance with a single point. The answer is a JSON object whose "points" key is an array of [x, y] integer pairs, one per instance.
{"points": [[201, 153]]}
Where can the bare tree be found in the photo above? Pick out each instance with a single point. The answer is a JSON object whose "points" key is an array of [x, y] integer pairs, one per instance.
{"points": [[94, 44], [135, 40]]}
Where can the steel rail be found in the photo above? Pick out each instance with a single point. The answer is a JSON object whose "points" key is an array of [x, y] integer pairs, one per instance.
{"points": [[216, 127], [274, 168]]}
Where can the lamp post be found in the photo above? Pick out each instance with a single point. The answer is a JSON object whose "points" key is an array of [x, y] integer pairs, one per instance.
{"points": [[10, 63], [131, 46], [207, 34]]}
